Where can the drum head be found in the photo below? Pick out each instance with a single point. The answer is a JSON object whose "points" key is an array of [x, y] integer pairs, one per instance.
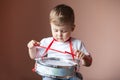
{"points": [[56, 62]]}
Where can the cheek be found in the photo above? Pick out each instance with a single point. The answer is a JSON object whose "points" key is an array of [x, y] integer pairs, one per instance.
{"points": [[67, 35], [54, 34]]}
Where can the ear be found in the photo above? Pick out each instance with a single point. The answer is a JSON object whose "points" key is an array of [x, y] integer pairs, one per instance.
{"points": [[73, 27]]}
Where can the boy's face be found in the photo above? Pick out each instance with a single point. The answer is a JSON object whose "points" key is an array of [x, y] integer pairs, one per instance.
{"points": [[61, 33]]}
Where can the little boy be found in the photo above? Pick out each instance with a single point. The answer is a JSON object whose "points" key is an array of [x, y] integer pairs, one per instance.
{"points": [[62, 25]]}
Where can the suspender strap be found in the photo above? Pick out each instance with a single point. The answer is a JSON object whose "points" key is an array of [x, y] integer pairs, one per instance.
{"points": [[71, 49], [48, 48], [70, 46]]}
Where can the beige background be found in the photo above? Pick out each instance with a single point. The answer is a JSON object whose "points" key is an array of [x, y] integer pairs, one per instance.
{"points": [[97, 25]]}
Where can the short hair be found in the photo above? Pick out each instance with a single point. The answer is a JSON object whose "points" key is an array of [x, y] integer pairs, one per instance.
{"points": [[62, 15]]}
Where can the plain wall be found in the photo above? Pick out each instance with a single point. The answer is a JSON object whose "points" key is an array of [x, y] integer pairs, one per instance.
{"points": [[97, 25]]}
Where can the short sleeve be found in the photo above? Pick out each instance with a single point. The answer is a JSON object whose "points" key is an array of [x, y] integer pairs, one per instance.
{"points": [[83, 49]]}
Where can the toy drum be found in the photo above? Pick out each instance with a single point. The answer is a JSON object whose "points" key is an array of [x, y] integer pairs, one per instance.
{"points": [[55, 67]]}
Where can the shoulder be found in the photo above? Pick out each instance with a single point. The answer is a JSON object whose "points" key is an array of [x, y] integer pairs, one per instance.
{"points": [[77, 43], [75, 40]]}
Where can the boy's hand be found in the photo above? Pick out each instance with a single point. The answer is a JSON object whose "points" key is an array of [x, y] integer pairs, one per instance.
{"points": [[86, 59], [32, 44], [79, 54]]}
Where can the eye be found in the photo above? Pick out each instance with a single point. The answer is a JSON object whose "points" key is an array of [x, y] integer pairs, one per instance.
{"points": [[64, 31], [55, 30]]}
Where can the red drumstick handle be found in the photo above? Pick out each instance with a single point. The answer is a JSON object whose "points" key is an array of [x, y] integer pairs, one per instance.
{"points": [[69, 53], [36, 44]]}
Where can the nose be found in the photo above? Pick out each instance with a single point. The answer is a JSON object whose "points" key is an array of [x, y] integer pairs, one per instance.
{"points": [[59, 33]]}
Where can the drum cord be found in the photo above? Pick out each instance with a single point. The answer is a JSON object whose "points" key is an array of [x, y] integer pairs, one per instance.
{"points": [[64, 52]]}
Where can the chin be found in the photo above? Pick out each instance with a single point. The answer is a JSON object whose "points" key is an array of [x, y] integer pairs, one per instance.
{"points": [[60, 40]]}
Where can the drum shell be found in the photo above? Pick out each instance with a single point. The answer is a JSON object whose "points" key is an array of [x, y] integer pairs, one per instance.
{"points": [[55, 71]]}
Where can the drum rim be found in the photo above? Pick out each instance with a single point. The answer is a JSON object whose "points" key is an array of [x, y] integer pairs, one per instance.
{"points": [[55, 66], [60, 77]]}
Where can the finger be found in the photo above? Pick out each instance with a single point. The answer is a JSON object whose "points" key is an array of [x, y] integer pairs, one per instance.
{"points": [[81, 55], [77, 53], [31, 44], [36, 44]]}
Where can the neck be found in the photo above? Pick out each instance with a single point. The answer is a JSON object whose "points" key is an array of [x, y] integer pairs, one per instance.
{"points": [[65, 41]]}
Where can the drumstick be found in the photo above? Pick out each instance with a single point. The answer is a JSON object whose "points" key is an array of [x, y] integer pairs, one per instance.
{"points": [[52, 49]]}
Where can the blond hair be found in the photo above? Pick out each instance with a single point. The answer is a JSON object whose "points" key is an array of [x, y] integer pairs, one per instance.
{"points": [[62, 15]]}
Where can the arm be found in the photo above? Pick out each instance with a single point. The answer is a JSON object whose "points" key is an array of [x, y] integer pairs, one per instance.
{"points": [[85, 59]]}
